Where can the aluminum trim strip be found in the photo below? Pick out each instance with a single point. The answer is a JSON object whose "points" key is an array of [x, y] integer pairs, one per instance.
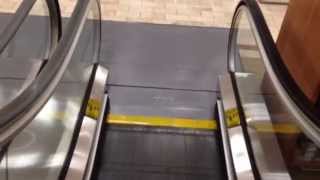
{"points": [[225, 142], [94, 149]]}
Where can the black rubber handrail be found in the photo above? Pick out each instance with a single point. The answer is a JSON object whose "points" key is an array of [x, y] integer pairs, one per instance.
{"points": [[19, 112], [22, 13], [55, 24], [311, 115]]}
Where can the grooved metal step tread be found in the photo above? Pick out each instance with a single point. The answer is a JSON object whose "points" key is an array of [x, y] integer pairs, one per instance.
{"points": [[151, 154]]}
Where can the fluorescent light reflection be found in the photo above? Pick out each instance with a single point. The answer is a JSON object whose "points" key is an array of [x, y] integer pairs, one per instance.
{"points": [[55, 160], [239, 153], [47, 113], [24, 160]]}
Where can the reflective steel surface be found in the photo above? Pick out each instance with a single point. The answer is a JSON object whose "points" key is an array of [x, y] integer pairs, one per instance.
{"points": [[84, 154], [41, 149], [265, 145], [281, 146], [236, 139], [225, 142]]}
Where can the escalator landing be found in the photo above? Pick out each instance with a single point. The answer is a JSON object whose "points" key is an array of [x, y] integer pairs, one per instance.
{"points": [[162, 78]]}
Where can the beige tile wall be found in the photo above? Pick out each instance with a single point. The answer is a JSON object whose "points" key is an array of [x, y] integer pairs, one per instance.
{"points": [[205, 13], [216, 13]]}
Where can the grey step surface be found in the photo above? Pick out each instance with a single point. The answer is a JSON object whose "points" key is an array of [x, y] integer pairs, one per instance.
{"points": [[31, 39], [165, 56], [151, 154]]}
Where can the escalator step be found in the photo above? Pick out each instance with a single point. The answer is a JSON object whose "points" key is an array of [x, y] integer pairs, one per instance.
{"points": [[158, 155]]}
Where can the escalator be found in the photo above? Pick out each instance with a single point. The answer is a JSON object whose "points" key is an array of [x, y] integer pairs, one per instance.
{"points": [[60, 118]]}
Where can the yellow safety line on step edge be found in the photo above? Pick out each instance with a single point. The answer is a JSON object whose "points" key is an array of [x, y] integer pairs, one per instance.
{"points": [[231, 116], [161, 121], [158, 121], [281, 128]]}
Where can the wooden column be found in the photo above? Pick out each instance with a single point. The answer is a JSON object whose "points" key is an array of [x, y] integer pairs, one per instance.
{"points": [[299, 45]]}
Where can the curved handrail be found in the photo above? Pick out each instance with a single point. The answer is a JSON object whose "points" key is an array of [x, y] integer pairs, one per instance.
{"points": [[55, 25], [19, 112], [98, 29], [20, 16], [306, 115]]}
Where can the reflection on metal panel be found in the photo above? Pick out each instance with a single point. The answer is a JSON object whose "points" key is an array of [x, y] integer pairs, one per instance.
{"points": [[277, 127], [84, 153], [264, 144], [81, 154], [240, 156]]}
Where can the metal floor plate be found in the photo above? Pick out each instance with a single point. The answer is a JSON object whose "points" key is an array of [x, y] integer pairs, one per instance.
{"points": [[162, 102]]}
